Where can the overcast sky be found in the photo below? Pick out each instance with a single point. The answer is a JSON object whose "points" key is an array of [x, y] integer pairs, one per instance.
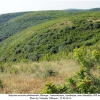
{"points": [[8, 6]]}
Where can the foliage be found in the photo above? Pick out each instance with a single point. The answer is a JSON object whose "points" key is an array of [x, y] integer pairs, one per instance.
{"points": [[1, 84], [50, 88], [96, 55], [84, 81]]}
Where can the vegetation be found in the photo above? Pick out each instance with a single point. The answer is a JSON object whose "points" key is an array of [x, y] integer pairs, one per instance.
{"points": [[52, 38], [39, 46], [1, 85], [16, 22]]}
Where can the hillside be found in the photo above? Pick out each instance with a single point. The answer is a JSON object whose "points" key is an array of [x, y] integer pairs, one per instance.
{"points": [[50, 37], [75, 10], [16, 22], [82, 10]]}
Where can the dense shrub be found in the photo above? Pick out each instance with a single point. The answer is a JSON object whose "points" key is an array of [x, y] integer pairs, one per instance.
{"points": [[53, 50], [97, 25], [18, 51]]}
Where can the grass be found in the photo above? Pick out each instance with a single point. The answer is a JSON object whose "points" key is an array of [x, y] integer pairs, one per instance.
{"points": [[32, 76]]}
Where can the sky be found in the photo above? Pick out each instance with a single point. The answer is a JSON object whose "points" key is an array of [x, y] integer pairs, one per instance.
{"points": [[9, 6]]}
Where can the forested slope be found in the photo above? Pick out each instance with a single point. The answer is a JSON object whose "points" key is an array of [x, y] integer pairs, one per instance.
{"points": [[16, 22], [47, 35]]}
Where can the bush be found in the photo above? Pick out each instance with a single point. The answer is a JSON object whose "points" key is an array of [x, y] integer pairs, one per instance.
{"points": [[95, 55], [1, 84], [84, 81], [18, 51], [97, 25], [2, 58], [33, 57], [50, 88], [50, 72], [53, 50], [84, 58]]}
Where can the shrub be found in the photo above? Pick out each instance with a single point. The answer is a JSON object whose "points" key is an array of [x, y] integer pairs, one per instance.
{"points": [[53, 50], [83, 83], [33, 57], [51, 72], [1, 84], [84, 58], [95, 55], [88, 43], [14, 59], [69, 41], [2, 58], [97, 25], [18, 51], [50, 88]]}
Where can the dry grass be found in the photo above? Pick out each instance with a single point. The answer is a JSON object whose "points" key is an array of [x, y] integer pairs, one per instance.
{"points": [[27, 81]]}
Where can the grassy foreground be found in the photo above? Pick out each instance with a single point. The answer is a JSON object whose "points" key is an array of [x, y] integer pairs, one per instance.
{"points": [[31, 77]]}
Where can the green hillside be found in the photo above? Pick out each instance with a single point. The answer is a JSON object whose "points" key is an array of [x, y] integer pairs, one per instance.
{"points": [[48, 35], [5, 17], [16, 22]]}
